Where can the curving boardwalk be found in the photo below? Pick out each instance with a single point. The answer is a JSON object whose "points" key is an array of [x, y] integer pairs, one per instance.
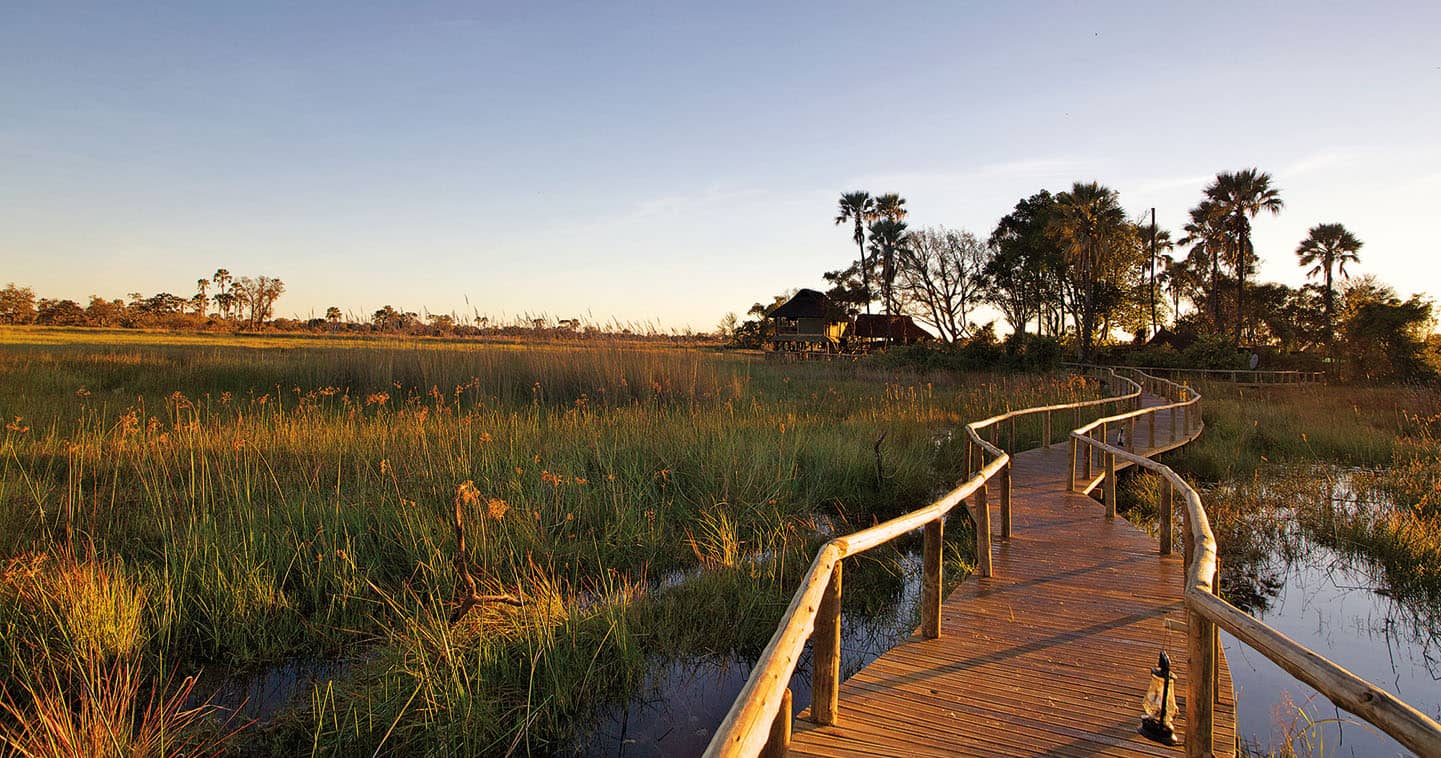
{"points": [[1050, 656]]}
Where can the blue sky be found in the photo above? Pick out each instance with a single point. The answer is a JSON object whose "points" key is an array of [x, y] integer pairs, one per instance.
{"points": [[669, 162]]}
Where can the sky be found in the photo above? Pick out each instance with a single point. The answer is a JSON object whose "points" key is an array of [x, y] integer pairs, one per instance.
{"points": [[666, 163]]}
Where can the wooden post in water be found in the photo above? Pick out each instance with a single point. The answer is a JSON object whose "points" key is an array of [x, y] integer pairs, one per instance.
{"points": [[1168, 505], [1071, 469], [931, 579], [1006, 500], [983, 533], [1110, 484], [779, 741], [826, 653]]}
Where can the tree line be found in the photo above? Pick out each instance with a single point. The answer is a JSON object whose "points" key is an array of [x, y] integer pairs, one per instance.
{"points": [[1075, 267]]}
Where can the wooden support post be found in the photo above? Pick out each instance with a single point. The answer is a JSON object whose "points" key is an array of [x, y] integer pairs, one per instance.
{"points": [[1110, 484], [1151, 424], [1006, 501], [931, 579], [983, 533], [826, 653], [1011, 448], [780, 740], [1200, 694], [1216, 640], [1046, 432], [1131, 434], [1071, 469], [1168, 512], [969, 453], [1172, 413], [1086, 467]]}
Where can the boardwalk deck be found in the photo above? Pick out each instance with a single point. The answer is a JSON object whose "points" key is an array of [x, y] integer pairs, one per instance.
{"points": [[1049, 657]]}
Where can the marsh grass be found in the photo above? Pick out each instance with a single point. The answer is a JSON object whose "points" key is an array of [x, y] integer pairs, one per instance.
{"points": [[241, 506]]}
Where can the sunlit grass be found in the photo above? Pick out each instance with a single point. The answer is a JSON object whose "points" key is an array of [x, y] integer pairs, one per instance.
{"points": [[239, 505]]}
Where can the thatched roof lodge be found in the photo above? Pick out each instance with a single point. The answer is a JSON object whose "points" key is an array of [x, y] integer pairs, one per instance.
{"points": [[809, 321], [899, 330]]}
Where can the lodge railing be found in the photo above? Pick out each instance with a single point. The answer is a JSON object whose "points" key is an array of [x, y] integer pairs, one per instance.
{"points": [[759, 721], [1205, 610], [1243, 376]]}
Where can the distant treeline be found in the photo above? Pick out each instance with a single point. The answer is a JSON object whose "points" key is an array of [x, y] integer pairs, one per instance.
{"points": [[225, 303]]}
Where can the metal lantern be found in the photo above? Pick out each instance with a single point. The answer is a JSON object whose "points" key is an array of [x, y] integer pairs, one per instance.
{"points": [[1158, 710]]}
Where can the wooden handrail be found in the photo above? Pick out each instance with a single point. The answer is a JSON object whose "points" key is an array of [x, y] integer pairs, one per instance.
{"points": [[1281, 376], [1207, 612], [749, 726]]}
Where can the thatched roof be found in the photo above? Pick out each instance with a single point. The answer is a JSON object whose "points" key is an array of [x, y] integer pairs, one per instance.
{"points": [[1171, 339], [809, 304], [900, 328]]}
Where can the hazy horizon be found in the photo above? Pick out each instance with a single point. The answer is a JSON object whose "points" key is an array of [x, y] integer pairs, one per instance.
{"points": [[669, 165]]}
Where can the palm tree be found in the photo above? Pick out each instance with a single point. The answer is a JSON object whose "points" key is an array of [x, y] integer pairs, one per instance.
{"points": [[1328, 247], [332, 314], [200, 300], [860, 208], [888, 238], [1160, 240], [1206, 234], [1241, 196], [1087, 222], [891, 206]]}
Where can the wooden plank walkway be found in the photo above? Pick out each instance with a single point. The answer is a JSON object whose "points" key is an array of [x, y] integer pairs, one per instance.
{"points": [[1050, 657]]}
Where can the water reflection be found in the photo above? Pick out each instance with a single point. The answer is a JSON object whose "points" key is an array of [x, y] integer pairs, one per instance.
{"points": [[684, 700], [1336, 603]]}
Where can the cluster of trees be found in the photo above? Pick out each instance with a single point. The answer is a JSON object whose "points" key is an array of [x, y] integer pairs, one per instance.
{"points": [[246, 301], [1076, 267]]}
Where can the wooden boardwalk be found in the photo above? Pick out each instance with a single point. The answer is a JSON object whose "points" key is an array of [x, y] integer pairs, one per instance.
{"points": [[1050, 657]]}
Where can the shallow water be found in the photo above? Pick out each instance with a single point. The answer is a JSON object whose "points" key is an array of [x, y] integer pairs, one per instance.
{"points": [[685, 700], [1343, 608], [1340, 609]]}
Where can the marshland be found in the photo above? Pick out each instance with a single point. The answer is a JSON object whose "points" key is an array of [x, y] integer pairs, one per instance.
{"points": [[181, 520]]}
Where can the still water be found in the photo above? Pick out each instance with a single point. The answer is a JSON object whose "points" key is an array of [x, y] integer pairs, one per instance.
{"points": [[1342, 609]]}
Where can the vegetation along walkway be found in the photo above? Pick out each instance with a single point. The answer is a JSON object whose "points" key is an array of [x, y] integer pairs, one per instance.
{"points": [[1050, 655]]}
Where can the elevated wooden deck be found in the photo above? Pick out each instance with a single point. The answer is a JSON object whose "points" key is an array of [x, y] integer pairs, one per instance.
{"points": [[1050, 657]]}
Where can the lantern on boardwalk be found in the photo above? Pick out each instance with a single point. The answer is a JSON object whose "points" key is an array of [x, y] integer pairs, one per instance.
{"points": [[1158, 710]]}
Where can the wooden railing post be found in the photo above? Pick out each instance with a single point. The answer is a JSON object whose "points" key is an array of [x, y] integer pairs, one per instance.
{"points": [[1006, 500], [826, 653], [1071, 469], [780, 739], [970, 448], [1131, 434], [1200, 690], [931, 579], [983, 533], [1172, 414], [1090, 451], [1012, 437], [1046, 430], [1110, 484], [1151, 422], [1168, 505]]}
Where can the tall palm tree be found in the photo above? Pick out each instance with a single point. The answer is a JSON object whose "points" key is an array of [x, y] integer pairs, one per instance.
{"points": [[1205, 233], [1087, 223], [1241, 196], [1326, 248], [891, 206], [1160, 240], [889, 238], [859, 208]]}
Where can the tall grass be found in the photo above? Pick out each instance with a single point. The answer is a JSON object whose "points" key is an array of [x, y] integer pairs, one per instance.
{"points": [[238, 506]]}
